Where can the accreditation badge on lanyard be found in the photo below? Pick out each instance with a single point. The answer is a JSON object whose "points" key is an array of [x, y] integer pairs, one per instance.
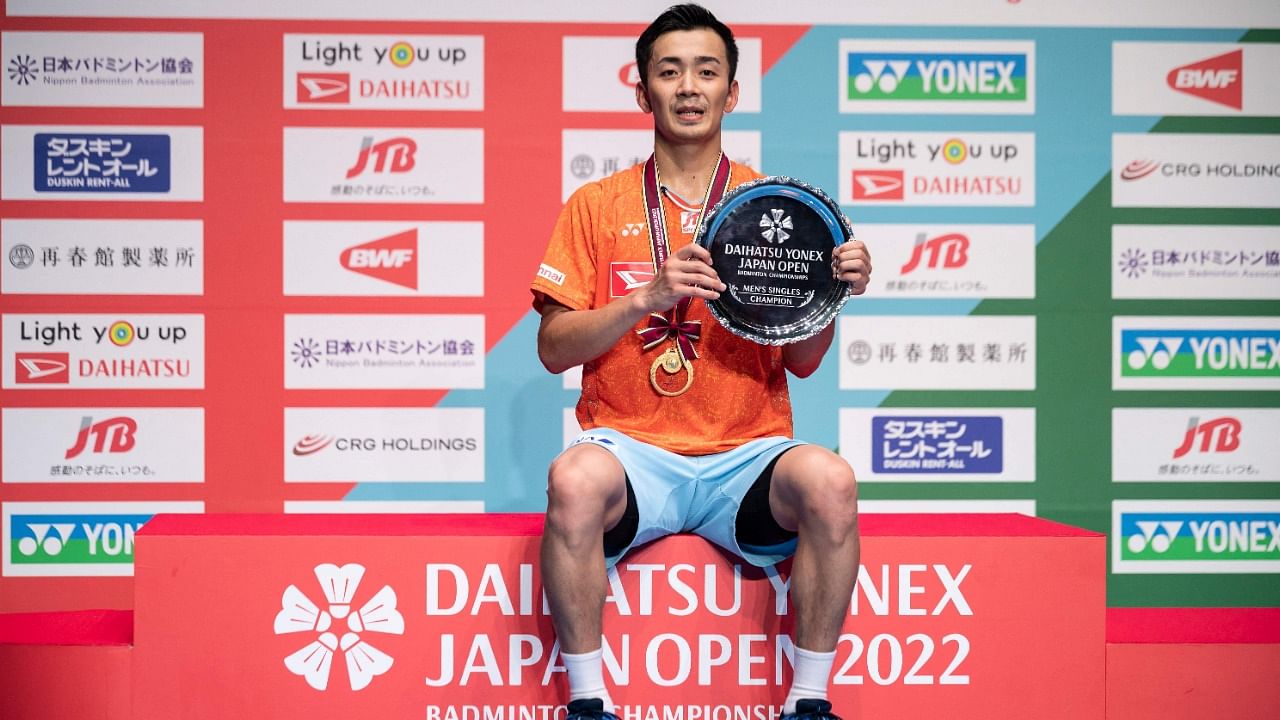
{"points": [[672, 324]]}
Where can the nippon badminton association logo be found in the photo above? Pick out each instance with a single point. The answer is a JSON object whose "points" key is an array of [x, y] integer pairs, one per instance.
{"points": [[298, 614]]}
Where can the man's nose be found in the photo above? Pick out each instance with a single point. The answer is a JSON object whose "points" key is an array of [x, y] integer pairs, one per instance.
{"points": [[687, 86]]}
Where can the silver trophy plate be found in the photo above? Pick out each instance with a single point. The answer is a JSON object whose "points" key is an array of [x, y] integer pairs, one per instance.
{"points": [[771, 242]]}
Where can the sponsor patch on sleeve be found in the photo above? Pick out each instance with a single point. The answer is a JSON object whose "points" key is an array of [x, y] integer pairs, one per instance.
{"points": [[550, 273]]}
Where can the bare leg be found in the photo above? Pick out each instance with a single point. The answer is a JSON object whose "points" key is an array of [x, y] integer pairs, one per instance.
{"points": [[586, 495], [813, 492]]}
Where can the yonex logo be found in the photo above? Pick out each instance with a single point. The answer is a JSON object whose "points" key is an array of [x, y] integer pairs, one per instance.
{"points": [[631, 229], [378, 615], [1158, 535], [937, 76], [1158, 351], [42, 539], [1238, 353]]}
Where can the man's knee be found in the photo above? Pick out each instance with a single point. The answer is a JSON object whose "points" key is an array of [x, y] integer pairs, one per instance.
{"points": [[823, 491], [584, 481]]}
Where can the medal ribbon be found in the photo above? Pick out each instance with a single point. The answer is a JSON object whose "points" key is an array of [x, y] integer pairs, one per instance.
{"points": [[672, 323]]}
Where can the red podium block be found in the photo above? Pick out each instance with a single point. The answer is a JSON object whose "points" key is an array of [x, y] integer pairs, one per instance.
{"points": [[66, 664], [442, 617]]}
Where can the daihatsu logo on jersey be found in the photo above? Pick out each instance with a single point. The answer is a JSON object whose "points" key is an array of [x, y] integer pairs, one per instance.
{"points": [[625, 277], [1218, 79], [393, 259]]}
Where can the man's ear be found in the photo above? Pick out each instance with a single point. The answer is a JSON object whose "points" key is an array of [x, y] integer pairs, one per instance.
{"points": [[731, 101], [642, 98]]}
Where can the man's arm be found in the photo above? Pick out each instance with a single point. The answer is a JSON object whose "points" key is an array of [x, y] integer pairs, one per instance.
{"points": [[851, 263], [568, 337]]}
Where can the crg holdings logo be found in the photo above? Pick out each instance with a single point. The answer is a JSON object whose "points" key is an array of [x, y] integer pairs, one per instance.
{"points": [[378, 614], [1219, 79]]}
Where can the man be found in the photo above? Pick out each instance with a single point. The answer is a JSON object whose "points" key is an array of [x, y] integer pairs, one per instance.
{"points": [[701, 443]]}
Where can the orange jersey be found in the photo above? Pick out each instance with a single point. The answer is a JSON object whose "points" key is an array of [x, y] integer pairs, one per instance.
{"points": [[600, 252]]}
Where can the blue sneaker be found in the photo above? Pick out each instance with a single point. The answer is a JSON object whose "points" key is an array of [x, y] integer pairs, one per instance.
{"points": [[590, 709], [810, 709]]}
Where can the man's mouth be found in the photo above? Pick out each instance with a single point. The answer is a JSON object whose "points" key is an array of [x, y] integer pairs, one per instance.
{"points": [[690, 113]]}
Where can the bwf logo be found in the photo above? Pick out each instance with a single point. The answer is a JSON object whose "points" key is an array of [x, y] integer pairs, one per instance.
{"points": [[1219, 79], [391, 259], [378, 615]]}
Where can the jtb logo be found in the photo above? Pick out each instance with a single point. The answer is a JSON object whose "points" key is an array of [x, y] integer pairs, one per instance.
{"points": [[951, 249], [392, 259], [1225, 429], [115, 435], [395, 156], [1218, 79]]}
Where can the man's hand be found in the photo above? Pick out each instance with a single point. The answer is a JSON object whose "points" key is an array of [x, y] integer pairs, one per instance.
{"points": [[851, 262], [687, 273]]}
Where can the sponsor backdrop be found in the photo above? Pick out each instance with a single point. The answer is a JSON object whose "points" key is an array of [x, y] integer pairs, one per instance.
{"points": [[277, 261]]}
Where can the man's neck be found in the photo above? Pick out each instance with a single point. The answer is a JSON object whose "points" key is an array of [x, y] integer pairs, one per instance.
{"points": [[686, 169]]}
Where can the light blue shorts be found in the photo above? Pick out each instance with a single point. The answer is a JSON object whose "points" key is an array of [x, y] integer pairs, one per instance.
{"points": [[697, 494]]}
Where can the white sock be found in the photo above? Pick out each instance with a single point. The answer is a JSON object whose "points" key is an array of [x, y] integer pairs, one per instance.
{"points": [[586, 676], [813, 669]]}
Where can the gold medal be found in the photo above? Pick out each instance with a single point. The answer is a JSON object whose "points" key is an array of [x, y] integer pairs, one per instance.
{"points": [[670, 362]]}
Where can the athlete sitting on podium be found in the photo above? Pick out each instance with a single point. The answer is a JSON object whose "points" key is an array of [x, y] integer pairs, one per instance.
{"points": [[663, 452]]}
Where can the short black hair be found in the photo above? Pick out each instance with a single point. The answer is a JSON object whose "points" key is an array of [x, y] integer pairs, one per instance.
{"points": [[683, 17]]}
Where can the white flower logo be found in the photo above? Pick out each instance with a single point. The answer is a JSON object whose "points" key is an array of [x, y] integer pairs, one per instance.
{"points": [[299, 614], [776, 227]]}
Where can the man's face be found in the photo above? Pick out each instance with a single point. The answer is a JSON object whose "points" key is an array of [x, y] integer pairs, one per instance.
{"points": [[687, 87]]}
